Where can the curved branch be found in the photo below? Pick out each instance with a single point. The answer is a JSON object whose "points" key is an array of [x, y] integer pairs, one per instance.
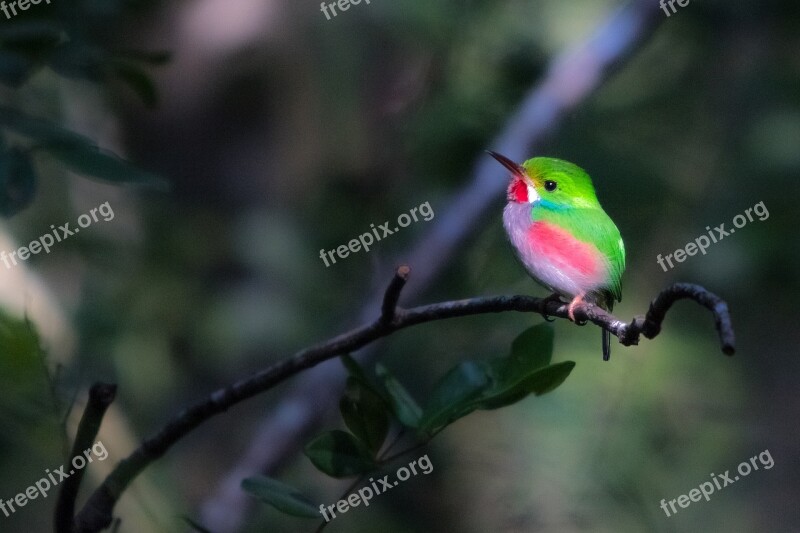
{"points": [[97, 513], [715, 304]]}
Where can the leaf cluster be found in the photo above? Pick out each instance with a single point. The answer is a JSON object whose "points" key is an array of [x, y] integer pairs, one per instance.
{"points": [[371, 406]]}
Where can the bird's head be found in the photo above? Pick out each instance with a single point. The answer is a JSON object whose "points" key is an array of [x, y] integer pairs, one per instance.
{"points": [[552, 182]]}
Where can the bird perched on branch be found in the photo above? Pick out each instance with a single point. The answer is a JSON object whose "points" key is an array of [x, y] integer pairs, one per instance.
{"points": [[565, 240]]}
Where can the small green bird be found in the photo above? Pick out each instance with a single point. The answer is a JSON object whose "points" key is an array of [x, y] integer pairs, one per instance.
{"points": [[565, 240]]}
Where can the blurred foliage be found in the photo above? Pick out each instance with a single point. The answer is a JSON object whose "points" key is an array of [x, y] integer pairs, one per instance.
{"points": [[72, 48]]}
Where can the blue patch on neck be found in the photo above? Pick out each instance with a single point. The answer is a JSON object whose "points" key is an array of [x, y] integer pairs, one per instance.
{"points": [[547, 204]]}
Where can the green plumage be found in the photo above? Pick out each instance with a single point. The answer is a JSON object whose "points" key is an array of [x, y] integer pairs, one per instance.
{"points": [[573, 205], [561, 233]]}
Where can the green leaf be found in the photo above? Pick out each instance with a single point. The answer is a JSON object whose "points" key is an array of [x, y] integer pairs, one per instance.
{"points": [[138, 80], [452, 397], [356, 371], [22, 363], [534, 346], [17, 181], [79, 60], [92, 161], [404, 407], [340, 454], [42, 131], [547, 379], [530, 351], [498, 382], [77, 152], [30, 31], [365, 413], [280, 496], [538, 382], [353, 368], [23, 45], [19, 341]]}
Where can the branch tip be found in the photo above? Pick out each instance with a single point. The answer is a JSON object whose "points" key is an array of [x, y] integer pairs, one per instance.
{"points": [[392, 295], [103, 393]]}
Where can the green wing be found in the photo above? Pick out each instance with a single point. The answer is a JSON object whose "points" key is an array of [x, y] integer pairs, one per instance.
{"points": [[596, 227]]}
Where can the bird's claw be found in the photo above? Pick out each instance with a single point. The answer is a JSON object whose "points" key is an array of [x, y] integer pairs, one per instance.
{"points": [[555, 297]]}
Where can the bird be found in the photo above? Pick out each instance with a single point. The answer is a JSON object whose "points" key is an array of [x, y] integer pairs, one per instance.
{"points": [[561, 234]]}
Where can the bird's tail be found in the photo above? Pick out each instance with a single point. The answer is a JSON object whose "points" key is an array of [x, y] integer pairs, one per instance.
{"points": [[606, 334], [606, 345]]}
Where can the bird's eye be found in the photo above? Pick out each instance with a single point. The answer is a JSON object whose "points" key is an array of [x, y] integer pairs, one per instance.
{"points": [[550, 185]]}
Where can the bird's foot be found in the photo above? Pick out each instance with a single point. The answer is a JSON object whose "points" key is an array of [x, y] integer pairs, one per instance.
{"points": [[555, 297], [571, 309]]}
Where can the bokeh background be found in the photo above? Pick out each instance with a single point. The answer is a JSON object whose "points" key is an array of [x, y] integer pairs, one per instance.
{"points": [[281, 133]]}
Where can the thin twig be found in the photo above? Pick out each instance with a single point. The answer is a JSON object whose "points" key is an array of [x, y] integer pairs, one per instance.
{"points": [[392, 294], [101, 395], [97, 513]]}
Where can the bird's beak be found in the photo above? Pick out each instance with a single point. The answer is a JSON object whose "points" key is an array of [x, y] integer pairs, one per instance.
{"points": [[515, 169]]}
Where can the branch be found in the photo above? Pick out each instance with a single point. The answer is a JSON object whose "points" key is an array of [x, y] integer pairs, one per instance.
{"points": [[97, 513], [650, 324], [101, 395], [392, 294], [570, 80]]}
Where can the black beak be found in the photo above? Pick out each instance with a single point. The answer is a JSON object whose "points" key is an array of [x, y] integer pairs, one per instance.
{"points": [[506, 162]]}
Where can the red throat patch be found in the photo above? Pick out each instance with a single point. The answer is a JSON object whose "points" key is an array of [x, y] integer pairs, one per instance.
{"points": [[518, 191]]}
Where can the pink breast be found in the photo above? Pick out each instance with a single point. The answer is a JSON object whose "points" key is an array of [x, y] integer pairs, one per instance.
{"points": [[574, 258]]}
